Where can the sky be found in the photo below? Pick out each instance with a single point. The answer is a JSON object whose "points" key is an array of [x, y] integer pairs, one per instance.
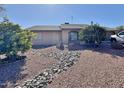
{"points": [[51, 14]]}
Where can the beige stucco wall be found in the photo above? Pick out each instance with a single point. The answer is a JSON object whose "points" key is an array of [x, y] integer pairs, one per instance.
{"points": [[65, 36], [47, 38], [51, 38]]}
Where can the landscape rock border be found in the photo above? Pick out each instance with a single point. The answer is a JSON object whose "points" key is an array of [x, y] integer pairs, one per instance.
{"points": [[65, 60]]}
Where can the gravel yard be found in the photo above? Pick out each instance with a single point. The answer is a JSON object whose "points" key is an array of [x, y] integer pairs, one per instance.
{"points": [[14, 74], [66, 59], [102, 67], [95, 67]]}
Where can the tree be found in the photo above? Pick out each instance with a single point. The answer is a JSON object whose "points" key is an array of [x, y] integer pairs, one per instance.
{"points": [[93, 34], [14, 39]]}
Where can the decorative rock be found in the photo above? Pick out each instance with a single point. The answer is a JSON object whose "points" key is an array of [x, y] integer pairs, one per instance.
{"points": [[54, 70], [65, 60], [45, 73], [59, 71]]}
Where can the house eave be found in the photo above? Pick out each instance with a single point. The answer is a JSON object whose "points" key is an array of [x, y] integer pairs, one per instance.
{"points": [[46, 30]]}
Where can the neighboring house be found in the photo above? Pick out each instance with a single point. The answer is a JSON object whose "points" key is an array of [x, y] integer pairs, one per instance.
{"points": [[52, 35]]}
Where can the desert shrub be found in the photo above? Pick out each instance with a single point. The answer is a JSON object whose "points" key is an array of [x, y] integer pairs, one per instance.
{"points": [[14, 39], [94, 34]]}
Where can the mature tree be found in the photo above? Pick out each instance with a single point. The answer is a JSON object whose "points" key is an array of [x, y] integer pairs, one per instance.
{"points": [[93, 34], [14, 39]]}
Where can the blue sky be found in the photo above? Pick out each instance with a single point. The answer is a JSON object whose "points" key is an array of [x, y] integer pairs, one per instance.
{"points": [[51, 14]]}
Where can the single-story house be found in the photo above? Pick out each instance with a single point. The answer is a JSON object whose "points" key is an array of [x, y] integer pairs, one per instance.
{"points": [[65, 33]]}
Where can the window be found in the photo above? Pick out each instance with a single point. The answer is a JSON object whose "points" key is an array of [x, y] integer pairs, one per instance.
{"points": [[121, 33], [73, 36]]}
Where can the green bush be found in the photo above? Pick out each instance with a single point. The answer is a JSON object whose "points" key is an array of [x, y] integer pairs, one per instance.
{"points": [[93, 34], [14, 39]]}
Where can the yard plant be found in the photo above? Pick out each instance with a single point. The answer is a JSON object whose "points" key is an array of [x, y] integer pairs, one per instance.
{"points": [[14, 39], [93, 34]]}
